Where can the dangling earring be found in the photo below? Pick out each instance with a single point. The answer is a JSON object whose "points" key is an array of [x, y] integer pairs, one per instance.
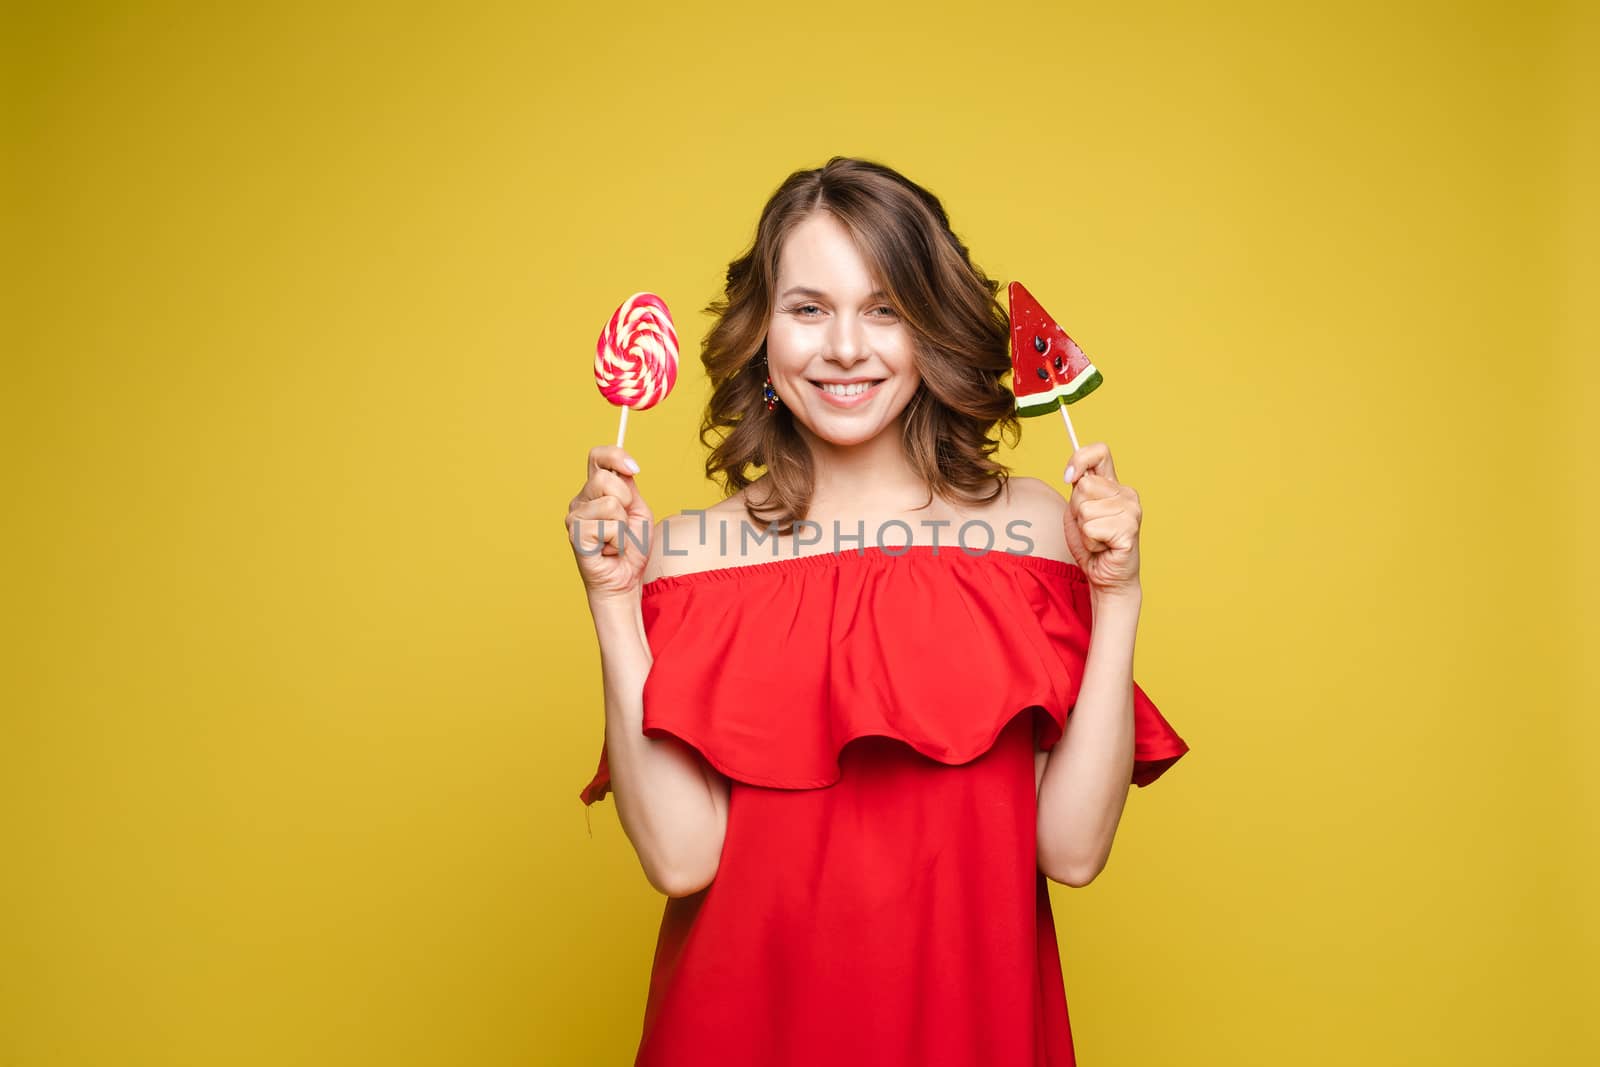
{"points": [[768, 393]]}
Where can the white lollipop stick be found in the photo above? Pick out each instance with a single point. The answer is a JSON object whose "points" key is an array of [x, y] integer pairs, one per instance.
{"points": [[1070, 431], [622, 426]]}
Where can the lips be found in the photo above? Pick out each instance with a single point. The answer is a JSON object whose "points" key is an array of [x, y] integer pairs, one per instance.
{"points": [[852, 395]]}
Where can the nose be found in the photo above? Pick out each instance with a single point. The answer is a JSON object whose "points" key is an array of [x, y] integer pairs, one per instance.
{"points": [[845, 341]]}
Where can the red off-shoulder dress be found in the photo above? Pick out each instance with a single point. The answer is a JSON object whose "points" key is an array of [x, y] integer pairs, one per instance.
{"points": [[878, 899]]}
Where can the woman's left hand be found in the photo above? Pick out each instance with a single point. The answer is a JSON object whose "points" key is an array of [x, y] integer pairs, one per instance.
{"points": [[1102, 523]]}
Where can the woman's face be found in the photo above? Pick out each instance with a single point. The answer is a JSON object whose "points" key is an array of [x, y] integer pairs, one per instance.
{"points": [[839, 357]]}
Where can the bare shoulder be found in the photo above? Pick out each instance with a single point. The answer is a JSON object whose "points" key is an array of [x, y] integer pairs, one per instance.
{"points": [[698, 539], [1039, 512]]}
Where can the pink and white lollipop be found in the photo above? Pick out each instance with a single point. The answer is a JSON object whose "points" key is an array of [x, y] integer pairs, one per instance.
{"points": [[636, 358]]}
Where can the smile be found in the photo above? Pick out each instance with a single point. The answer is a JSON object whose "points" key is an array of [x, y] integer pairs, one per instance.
{"points": [[851, 394]]}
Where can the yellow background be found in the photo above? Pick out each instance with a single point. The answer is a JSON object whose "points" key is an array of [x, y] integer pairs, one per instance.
{"points": [[301, 686]]}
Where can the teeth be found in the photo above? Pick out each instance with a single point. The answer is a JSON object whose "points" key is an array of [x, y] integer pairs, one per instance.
{"points": [[854, 389]]}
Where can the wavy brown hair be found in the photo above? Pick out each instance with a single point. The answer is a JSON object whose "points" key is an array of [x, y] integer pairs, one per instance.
{"points": [[960, 334]]}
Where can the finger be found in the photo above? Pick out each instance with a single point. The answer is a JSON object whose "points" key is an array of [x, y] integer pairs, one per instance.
{"points": [[1075, 538], [601, 507], [1086, 537], [627, 528], [612, 458], [585, 533], [1095, 487], [1102, 507], [1092, 458], [599, 520], [639, 512], [606, 482], [1108, 531]]}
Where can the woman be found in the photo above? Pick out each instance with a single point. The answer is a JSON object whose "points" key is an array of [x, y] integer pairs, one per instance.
{"points": [[824, 694]]}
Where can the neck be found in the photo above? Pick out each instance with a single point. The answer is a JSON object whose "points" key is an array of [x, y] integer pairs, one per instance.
{"points": [[872, 470]]}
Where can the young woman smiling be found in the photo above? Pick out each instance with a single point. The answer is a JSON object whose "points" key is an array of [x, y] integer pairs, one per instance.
{"points": [[849, 735]]}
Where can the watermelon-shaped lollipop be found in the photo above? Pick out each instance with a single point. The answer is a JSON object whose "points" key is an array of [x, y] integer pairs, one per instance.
{"points": [[636, 358], [1048, 369]]}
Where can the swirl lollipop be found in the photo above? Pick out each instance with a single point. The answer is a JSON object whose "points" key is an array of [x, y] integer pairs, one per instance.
{"points": [[636, 358]]}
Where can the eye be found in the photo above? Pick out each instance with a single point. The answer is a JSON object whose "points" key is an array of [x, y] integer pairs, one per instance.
{"points": [[800, 310], [889, 311]]}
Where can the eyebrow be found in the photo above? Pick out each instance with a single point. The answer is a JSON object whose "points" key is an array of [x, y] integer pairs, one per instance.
{"points": [[818, 294]]}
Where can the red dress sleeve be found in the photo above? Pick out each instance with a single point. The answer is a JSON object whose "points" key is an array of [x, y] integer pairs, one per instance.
{"points": [[600, 784], [1156, 745]]}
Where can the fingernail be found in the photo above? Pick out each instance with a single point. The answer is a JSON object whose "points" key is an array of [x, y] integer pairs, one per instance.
{"points": [[1069, 472], [631, 465]]}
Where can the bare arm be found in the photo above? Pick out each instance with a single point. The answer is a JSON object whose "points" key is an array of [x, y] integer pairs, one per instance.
{"points": [[673, 809], [672, 806], [1085, 779]]}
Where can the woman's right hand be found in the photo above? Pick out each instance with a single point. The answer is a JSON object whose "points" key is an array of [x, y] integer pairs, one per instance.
{"points": [[610, 562]]}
